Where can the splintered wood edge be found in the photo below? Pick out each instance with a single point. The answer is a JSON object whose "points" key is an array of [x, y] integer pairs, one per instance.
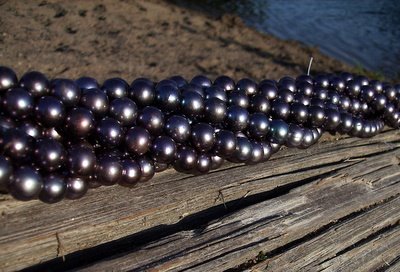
{"points": [[33, 232], [340, 222]]}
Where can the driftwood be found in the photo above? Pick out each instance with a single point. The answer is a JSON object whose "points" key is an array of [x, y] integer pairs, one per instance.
{"points": [[324, 207]]}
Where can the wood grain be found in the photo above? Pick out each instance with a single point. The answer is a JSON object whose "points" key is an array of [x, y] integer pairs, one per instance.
{"points": [[32, 232], [310, 225]]}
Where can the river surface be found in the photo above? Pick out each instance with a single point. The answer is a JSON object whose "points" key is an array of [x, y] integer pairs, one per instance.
{"points": [[364, 33]]}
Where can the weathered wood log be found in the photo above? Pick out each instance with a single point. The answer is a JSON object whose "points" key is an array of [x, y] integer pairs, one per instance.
{"points": [[343, 221], [32, 232]]}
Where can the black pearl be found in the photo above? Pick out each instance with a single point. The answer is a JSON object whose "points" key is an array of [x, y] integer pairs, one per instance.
{"points": [[215, 91], [96, 101], [287, 83], [225, 143], [376, 85], [25, 184], [379, 102], [366, 130], [353, 88], [332, 119], [49, 111], [192, 88], [201, 81], [179, 80], [160, 167], [142, 92], [163, 149], [267, 151], [268, 90], [79, 122], [321, 93], [259, 103], [137, 140], [8, 79], [243, 151], [390, 92], [54, 188], [186, 159], [76, 187], [6, 170], [216, 162], [109, 132], [167, 97], [247, 85], [178, 128], [346, 123], [337, 84], [316, 116], [203, 136], [152, 119], [225, 83], [49, 154], [295, 136], [67, 91], [108, 170], [17, 145], [357, 127], [302, 99], [147, 169], [203, 163], [321, 80], [334, 97], [305, 88], [363, 81], [238, 98], [115, 88], [31, 129], [280, 109], [298, 113], [258, 125], [307, 139], [257, 153], [237, 118], [346, 76], [130, 172], [215, 110], [355, 106], [87, 83], [36, 83], [393, 119], [279, 131], [367, 93], [305, 78], [124, 110], [18, 103], [345, 103], [81, 160], [286, 95], [192, 105]]}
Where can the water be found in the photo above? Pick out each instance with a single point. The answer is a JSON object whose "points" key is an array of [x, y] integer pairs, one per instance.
{"points": [[364, 33]]}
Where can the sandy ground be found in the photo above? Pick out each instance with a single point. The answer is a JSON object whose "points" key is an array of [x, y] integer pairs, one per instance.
{"points": [[142, 38]]}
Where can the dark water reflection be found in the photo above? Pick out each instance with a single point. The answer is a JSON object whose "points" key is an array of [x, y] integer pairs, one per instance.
{"points": [[362, 32]]}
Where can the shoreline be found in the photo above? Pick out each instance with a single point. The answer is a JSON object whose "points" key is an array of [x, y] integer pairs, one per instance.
{"points": [[154, 38]]}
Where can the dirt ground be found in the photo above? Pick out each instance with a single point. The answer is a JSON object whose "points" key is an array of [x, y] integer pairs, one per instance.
{"points": [[132, 38]]}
